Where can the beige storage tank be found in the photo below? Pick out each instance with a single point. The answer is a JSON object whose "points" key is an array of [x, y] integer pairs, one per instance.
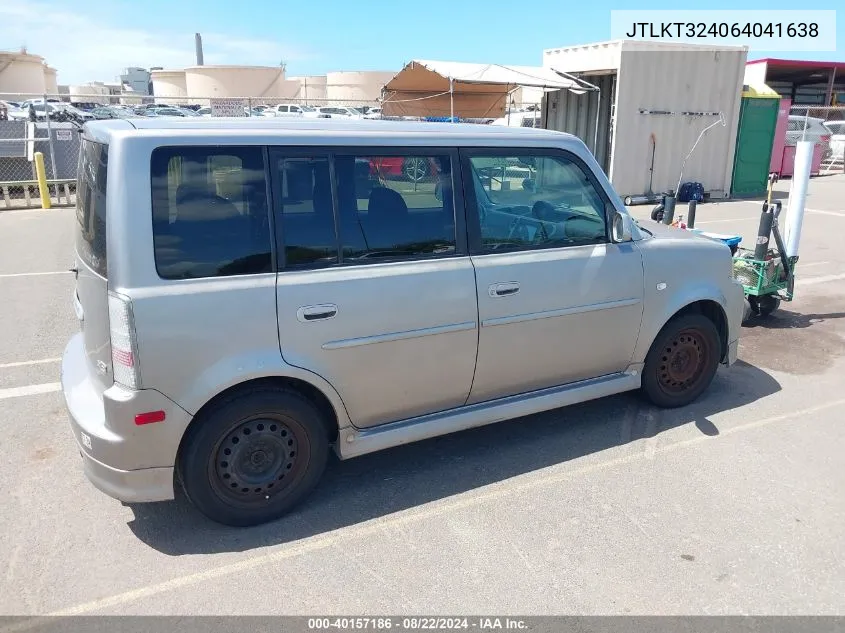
{"points": [[312, 88], [51, 82], [356, 86], [169, 86], [22, 74], [236, 81], [94, 92]]}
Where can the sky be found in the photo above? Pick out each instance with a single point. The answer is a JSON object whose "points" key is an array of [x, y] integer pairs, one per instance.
{"points": [[88, 40]]}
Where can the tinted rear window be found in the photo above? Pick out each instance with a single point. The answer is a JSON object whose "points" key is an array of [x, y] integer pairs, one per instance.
{"points": [[210, 212], [91, 205]]}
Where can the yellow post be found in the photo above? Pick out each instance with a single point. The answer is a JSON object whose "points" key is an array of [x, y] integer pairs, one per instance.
{"points": [[41, 176]]}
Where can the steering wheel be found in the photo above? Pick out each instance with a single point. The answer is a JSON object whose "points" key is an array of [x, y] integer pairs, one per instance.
{"points": [[541, 208]]}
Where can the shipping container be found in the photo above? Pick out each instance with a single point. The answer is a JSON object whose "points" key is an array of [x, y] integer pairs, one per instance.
{"points": [[655, 100]]}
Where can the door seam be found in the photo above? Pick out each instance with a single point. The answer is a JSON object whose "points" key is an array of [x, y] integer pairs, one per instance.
{"points": [[477, 331]]}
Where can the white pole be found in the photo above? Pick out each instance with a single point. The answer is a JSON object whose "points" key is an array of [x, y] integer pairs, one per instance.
{"points": [[798, 196], [451, 101]]}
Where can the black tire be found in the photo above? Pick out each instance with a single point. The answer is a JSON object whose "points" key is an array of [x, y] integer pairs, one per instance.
{"points": [[657, 213], [682, 361], [764, 305], [254, 456]]}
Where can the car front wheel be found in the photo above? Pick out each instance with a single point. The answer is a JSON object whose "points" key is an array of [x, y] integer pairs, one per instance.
{"points": [[682, 361]]}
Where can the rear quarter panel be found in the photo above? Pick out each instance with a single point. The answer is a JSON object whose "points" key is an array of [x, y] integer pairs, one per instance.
{"points": [[197, 337]]}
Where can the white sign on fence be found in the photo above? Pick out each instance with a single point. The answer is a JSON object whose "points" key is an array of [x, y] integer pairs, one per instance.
{"points": [[227, 107], [63, 135]]}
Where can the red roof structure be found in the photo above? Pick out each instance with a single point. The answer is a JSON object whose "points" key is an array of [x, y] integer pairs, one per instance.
{"points": [[804, 81]]}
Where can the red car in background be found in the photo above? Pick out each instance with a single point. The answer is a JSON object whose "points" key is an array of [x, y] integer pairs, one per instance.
{"points": [[413, 168]]}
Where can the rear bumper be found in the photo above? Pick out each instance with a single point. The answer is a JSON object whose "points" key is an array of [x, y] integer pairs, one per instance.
{"points": [[128, 462], [130, 486]]}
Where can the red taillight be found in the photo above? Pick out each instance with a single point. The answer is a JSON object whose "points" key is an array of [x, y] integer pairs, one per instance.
{"points": [[122, 356], [149, 417]]}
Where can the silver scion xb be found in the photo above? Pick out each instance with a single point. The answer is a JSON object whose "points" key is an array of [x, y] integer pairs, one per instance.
{"points": [[253, 292]]}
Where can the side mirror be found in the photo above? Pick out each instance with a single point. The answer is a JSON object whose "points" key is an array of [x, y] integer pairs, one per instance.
{"points": [[622, 227]]}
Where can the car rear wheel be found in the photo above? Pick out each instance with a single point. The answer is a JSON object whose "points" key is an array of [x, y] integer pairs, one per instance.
{"points": [[682, 361], [254, 457]]}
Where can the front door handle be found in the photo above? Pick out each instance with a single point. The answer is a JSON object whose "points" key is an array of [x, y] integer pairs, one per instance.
{"points": [[503, 289], [317, 312]]}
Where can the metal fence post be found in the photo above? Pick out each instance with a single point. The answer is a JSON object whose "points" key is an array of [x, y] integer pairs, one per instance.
{"points": [[50, 140]]}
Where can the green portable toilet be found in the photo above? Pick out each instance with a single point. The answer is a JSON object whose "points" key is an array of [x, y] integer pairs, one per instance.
{"points": [[758, 116]]}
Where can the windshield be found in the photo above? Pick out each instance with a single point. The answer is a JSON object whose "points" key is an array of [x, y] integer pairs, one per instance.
{"points": [[308, 109]]}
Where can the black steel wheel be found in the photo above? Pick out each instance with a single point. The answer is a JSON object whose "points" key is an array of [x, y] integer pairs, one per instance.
{"points": [[256, 460], [254, 456], [682, 361]]}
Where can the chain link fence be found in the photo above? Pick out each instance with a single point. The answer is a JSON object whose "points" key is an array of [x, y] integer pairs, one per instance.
{"points": [[52, 124], [825, 127]]}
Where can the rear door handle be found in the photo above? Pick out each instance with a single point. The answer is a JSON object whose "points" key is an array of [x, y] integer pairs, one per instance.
{"points": [[503, 289], [316, 313]]}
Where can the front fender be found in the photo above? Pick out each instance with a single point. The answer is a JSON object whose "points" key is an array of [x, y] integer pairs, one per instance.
{"points": [[661, 307]]}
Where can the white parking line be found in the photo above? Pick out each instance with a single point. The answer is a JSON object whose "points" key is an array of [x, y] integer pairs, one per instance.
{"points": [[30, 390], [24, 363], [802, 266], [376, 526], [726, 220], [53, 272], [811, 281], [834, 213]]}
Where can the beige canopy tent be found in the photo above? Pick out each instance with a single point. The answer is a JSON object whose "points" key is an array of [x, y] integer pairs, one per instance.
{"points": [[450, 89]]}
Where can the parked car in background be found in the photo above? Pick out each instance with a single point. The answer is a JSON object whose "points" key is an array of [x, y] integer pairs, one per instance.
{"points": [[57, 111], [87, 106], [25, 104], [112, 112], [9, 110], [291, 109], [339, 112], [837, 138], [808, 128], [521, 118], [167, 111], [373, 113]]}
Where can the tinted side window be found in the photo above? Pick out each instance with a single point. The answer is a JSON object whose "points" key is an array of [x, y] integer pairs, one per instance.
{"points": [[304, 212], [395, 206], [91, 205], [210, 212], [525, 201]]}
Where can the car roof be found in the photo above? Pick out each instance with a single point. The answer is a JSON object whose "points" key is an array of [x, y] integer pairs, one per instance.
{"points": [[346, 131]]}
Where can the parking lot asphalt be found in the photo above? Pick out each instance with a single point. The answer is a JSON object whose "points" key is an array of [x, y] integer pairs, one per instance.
{"points": [[733, 505]]}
